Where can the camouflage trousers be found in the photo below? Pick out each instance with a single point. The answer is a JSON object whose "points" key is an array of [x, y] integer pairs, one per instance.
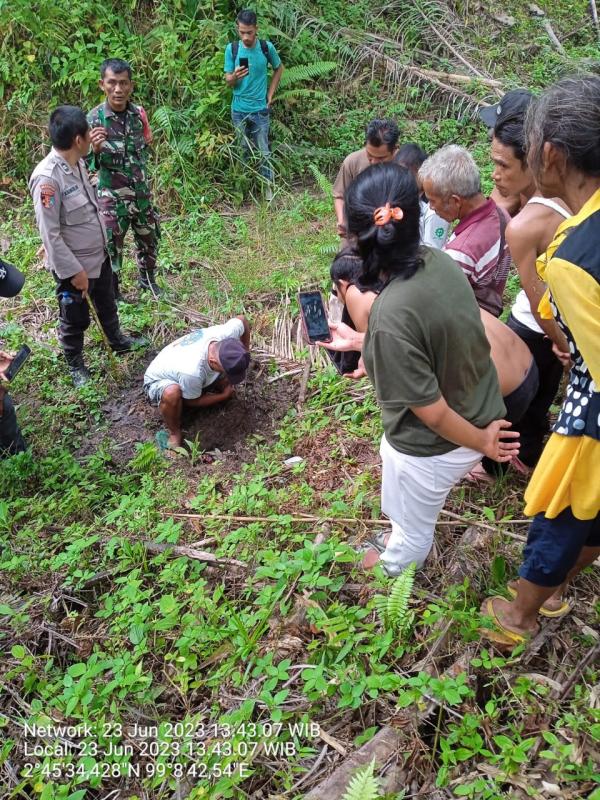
{"points": [[142, 217]]}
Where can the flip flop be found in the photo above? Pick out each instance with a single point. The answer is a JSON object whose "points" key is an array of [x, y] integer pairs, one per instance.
{"points": [[556, 613], [375, 542], [479, 476], [162, 440], [503, 635], [378, 540]]}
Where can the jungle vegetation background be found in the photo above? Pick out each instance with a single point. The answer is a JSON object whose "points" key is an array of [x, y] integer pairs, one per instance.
{"points": [[345, 63]]}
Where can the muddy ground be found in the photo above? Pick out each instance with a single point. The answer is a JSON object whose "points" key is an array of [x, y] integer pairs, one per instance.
{"points": [[257, 407]]}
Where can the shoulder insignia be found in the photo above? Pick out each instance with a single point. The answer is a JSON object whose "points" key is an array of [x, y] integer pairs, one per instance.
{"points": [[47, 192]]}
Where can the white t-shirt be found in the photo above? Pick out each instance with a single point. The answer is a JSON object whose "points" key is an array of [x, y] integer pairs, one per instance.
{"points": [[185, 361], [434, 229]]}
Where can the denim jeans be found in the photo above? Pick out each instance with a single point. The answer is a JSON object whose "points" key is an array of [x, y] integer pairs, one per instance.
{"points": [[252, 132]]}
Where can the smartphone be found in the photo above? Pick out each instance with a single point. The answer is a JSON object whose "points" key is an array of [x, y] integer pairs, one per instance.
{"points": [[314, 317], [17, 362], [244, 63]]}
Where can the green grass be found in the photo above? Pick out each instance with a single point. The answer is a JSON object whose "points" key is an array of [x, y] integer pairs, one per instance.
{"points": [[97, 629]]}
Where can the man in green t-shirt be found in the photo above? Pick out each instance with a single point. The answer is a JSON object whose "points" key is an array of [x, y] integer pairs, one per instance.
{"points": [[246, 63]]}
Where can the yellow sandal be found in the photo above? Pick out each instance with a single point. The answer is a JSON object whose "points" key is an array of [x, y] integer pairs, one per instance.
{"points": [[562, 611], [503, 635]]}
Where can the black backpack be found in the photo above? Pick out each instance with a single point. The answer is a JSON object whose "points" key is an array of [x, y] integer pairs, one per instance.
{"points": [[235, 46]]}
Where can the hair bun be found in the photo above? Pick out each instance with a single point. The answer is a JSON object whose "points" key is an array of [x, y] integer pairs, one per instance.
{"points": [[386, 234]]}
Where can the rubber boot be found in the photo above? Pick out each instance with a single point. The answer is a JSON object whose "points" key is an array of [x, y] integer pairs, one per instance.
{"points": [[147, 282]]}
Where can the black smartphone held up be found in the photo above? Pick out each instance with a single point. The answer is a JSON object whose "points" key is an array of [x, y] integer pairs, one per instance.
{"points": [[17, 362], [244, 63], [314, 317]]}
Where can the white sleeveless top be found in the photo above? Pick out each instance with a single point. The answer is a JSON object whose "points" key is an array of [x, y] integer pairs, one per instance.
{"points": [[521, 309]]}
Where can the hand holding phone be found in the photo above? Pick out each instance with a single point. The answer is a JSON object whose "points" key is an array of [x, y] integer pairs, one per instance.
{"points": [[16, 363], [314, 317], [5, 361], [241, 70]]}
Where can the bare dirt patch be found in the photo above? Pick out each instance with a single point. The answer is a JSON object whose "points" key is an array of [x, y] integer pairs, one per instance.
{"points": [[256, 408]]}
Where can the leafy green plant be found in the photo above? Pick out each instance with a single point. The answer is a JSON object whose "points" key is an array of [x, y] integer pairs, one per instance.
{"points": [[394, 609], [364, 785], [323, 181]]}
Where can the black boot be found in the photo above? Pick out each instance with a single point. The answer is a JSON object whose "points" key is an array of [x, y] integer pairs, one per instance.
{"points": [[80, 374], [124, 343], [116, 288], [147, 282]]}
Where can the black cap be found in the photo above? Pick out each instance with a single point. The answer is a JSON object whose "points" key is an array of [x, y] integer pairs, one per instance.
{"points": [[11, 279], [514, 102], [234, 359]]}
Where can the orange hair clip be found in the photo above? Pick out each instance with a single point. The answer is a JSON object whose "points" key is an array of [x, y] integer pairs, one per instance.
{"points": [[385, 213]]}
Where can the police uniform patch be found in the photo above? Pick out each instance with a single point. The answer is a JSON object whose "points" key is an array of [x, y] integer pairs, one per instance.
{"points": [[47, 192], [70, 190]]}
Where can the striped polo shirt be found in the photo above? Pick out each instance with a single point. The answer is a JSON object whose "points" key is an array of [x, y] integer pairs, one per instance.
{"points": [[478, 246]]}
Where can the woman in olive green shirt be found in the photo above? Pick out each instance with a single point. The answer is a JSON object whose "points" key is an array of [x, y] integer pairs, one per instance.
{"points": [[427, 355]]}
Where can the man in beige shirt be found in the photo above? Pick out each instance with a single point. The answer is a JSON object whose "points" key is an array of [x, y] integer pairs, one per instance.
{"points": [[381, 145], [74, 239]]}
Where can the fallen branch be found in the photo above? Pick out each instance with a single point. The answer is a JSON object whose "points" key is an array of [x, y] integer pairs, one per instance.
{"points": [[190, 552], [455, 77], [589, 658], [561, 692], [381, 747], [545, 633], [287, 374], [594, 10], [541, 14], [457, 520]]}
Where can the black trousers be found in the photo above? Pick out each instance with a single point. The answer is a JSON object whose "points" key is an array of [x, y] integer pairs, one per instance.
{"points": [[534, 424], [11, 438], [517, 404], [74, 312]]}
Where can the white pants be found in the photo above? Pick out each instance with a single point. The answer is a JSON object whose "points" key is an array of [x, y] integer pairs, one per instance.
{"points": [[413, 492]]}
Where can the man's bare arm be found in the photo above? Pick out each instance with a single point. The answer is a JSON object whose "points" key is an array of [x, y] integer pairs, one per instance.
{"points": [[210, 398], [522, 245], [238, 73], [277, 73], [245, 337]]}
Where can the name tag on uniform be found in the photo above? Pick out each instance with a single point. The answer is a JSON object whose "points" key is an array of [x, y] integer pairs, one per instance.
{"points": [[71, 190]]}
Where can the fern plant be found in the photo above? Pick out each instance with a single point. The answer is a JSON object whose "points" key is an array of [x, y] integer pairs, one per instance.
{"points": [[364, 785], [305, 72], [146, 457], [394, 610], [323, 181], [289, 91]]}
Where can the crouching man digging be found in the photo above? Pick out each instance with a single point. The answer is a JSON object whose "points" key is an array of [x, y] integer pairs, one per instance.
{"points": [[215, 357]]}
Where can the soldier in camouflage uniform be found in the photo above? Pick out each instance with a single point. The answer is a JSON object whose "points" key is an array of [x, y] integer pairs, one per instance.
{"points": [[120, 146]]}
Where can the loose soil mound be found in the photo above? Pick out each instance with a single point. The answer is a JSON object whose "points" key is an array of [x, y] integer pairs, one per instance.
{"points": [[255, 409]]}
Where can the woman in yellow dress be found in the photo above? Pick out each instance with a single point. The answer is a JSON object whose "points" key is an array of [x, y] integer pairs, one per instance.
{"points": [[563, 496]]}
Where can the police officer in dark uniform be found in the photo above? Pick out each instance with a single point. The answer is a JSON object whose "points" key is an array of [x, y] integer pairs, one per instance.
{"points": [[74, 238]]}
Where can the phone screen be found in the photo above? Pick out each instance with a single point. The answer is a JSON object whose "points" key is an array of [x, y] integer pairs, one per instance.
{"points": [[17, 362], [244, 62], [315, 318]]}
